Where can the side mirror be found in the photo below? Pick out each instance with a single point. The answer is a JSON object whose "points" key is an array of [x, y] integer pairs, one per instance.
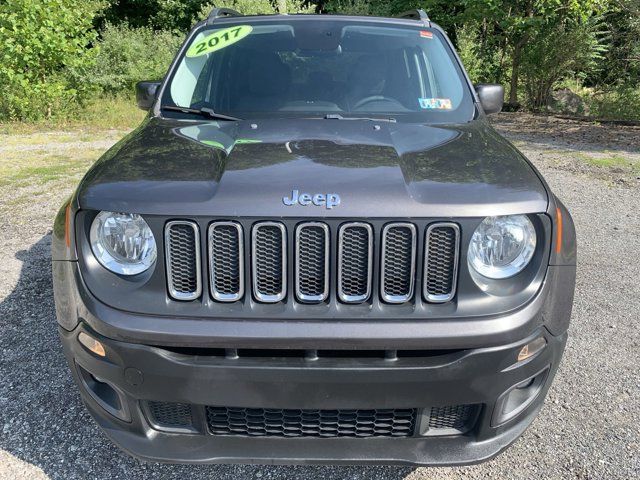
{"points": [[146, 94], [491, 97]]}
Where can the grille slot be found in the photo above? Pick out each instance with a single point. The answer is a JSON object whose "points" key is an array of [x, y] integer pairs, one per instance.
{"points": [[170, 416], [226, 257], [355, 255], [442, 248], [269, 257], [452, 419], [312, 262], [182, 251], [398, 262], [268, 422]]}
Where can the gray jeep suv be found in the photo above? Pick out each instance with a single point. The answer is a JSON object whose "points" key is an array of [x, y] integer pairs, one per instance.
{"points": [[314, 249]]}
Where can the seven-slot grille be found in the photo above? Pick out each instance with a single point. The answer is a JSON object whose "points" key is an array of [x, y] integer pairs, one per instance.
{"points": [[291, 423], [312, 264]]}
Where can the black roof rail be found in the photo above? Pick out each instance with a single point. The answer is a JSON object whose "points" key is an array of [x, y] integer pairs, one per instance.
{"points": [[223, 12], [417, 14]]}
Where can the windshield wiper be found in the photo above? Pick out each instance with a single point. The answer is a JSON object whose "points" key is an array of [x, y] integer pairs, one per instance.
{"points": [[204, 111], [337, 116]]}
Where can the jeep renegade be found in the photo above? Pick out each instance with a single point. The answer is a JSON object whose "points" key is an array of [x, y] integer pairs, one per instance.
{"points": [[314, 249]]}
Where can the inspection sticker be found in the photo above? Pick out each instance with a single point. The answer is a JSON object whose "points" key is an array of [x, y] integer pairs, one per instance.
{"points": [[219, 40], [435, 103]]}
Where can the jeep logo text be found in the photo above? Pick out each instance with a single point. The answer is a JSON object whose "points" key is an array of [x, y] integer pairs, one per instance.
{"points": [[328, 200]]}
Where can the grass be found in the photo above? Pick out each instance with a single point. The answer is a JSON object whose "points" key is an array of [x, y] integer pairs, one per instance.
{"points": [[620, 102], [30, 179], [39, 158], [103, 113], [611, 162], [20, 169]]}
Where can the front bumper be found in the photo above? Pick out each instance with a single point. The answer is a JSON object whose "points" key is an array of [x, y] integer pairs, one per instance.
{"points": [[479, 376]]}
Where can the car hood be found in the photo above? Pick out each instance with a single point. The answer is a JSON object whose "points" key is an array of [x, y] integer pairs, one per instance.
{"points": [[379, 169]]}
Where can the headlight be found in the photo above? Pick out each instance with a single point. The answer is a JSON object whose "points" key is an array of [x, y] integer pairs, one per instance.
{"points": [[123, 242], [502, 246]]}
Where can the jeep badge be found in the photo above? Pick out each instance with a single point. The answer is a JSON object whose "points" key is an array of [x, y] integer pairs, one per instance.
{"points": [[328, 200]]}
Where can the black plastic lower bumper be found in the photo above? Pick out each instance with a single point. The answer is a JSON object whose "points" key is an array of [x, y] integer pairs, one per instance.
{"points": [[137, 373]]}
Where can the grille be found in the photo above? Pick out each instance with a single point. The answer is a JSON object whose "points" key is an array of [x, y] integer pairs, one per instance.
{"points": [[312, 262], [183, 260], [355, 254], [398, 262], [269, 254], [452, 418], [167, 416], [314, 267], [226, 255], [441, 262], [259, 422]]}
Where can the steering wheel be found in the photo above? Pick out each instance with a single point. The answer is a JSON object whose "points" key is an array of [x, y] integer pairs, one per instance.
{"points": [[374, 98]]}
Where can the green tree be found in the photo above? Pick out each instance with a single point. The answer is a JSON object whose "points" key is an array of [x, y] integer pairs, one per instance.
{"points": [[515, 24], [172, 15], [44, 51], [127, 55], [621, 64], [570, 48], [258, 7]]}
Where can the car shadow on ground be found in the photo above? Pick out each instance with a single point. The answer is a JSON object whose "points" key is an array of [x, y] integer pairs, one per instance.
{"points": [[45, 429]]}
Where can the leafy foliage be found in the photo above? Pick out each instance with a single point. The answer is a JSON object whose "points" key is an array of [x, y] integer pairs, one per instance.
{"points": [[54, 54], [256, 7], [127, 55], [566, 49], [172, 15], [44, 52]]}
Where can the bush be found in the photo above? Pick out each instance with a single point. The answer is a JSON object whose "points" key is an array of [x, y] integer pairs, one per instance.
{"points": [[620, 103], [558, 52], [349, 7], [43, 55], [256, 7], [129, 55]]}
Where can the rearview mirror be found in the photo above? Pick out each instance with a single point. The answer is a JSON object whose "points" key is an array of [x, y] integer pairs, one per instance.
{"points": [[491, 97], [146, 94]]}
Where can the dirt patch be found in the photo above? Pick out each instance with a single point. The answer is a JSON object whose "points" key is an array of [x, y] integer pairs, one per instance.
{"points": [[605, 151]]}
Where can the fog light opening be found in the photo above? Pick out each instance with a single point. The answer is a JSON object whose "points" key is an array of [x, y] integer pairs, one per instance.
{"points": [[92, 344], [518, 398], [105, 394], [531, 349]]}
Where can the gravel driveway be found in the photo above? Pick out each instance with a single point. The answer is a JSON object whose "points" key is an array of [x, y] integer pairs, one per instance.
{"points": [[588, 428]]}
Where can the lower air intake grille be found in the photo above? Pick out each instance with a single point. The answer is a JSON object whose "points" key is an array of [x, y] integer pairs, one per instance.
{"points": [[355, 254], [170, 415], [452, 419], [441, 262], [183, 260], [265, 422], [269, 262], [227, 263]]}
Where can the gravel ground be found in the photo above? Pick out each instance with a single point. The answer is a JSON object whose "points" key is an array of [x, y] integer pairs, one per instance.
{"points": [[588, 428]]}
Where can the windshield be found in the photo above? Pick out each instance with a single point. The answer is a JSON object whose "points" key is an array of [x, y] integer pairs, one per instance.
{"points": [[319, 68]]}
